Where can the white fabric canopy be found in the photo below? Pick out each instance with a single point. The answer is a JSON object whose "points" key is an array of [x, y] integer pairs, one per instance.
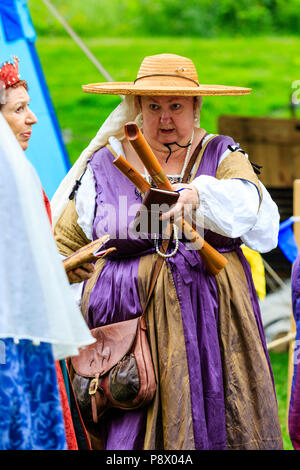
{"points": [[36, 301]]}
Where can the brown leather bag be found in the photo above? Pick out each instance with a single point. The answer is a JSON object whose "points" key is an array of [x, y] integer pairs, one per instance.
{"points": [[117, 370]]}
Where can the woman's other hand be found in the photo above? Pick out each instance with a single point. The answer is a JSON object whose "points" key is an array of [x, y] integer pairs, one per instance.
{"points": [[81, 274], [187, 202]]}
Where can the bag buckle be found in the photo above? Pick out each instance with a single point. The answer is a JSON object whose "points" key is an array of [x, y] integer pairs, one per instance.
{"points": [[93, 386]]}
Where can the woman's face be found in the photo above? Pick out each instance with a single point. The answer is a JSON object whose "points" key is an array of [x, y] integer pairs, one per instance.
{"points": [[168, 119], [18, 115]]}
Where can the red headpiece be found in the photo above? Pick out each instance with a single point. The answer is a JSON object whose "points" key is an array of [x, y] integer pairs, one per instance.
{"points": [[9, 73]]}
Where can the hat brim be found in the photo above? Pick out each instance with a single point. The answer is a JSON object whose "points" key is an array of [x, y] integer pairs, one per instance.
{"points": [[129, 88]]}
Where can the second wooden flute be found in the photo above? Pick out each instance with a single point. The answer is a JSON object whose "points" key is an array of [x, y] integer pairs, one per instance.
{"points": [[132, 174]]}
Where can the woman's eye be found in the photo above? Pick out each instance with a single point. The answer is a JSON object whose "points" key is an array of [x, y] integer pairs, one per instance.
{"points": [[153, 107], [176, 106], [19, 109]]}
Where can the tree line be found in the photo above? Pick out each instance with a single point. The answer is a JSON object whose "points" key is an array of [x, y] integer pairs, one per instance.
{"points": [[201, 18]]}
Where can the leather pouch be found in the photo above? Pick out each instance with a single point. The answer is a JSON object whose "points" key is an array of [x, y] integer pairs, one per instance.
{"points": [[117, 370], [114, 372]]}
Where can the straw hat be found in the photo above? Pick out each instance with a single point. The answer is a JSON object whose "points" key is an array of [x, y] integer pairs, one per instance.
{"points": [[165, 74]]}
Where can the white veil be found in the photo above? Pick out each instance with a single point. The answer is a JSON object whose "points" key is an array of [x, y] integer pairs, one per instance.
{"points": [[36, 299]]}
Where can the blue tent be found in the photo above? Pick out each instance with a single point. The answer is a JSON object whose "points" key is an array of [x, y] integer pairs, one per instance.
{"points": [[46, 150], [286, 239]]}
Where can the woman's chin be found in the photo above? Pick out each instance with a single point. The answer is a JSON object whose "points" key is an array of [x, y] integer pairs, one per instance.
{"points": [[24, 145], [165, 138]]}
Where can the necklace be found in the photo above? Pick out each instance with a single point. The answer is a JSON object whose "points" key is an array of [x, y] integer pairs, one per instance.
{"points": [[169, 255], [186, 160]]}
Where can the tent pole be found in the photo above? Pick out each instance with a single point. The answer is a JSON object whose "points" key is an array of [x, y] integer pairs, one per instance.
{"points": [[274, 275], [78, 41], [278, 342]]}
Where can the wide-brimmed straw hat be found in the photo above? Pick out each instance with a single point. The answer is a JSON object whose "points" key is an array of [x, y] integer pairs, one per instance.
{"points": [[165, 74]]}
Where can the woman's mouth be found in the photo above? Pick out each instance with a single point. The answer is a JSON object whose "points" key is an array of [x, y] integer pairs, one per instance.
{"points": [[27, 135], [166, 131]]}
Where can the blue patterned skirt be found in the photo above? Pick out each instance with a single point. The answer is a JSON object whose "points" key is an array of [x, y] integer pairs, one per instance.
{"points": [[30, 408]]}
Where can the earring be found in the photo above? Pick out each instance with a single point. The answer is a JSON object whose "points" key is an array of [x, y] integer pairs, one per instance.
{"points": [[139, 120]]}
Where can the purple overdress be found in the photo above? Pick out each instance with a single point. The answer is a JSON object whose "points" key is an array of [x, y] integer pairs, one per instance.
{"points": [[115, 297], [294, 406]]}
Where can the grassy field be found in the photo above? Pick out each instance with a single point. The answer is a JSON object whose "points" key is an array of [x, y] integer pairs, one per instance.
{"points": [[268, 65]]}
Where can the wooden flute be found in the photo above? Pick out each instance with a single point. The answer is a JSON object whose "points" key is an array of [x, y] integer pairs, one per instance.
{"points": [[132, 174], [213, 260]]}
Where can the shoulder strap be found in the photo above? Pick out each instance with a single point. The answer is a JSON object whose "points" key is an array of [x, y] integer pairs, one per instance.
{"points": [[201, 153], [155, 273], [192, 160]]}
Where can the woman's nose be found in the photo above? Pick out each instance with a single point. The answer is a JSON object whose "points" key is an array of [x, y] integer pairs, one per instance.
{"points": [[165, 117], [31, 117]]}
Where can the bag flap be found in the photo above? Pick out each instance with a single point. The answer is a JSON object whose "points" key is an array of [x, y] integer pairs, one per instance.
{"points": [[113, 342]]}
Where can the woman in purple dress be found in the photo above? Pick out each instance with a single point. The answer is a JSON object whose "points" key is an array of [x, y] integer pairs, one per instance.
{"points": [[215, 387]]}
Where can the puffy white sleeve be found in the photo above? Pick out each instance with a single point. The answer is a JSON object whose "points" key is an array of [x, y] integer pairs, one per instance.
{"points": [[85, 202], [230, 207], [263, 236]]}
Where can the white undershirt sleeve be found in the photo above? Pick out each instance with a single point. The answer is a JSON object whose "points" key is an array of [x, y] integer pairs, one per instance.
{"points": [[263, 236], [85, 203], [230, 207]]}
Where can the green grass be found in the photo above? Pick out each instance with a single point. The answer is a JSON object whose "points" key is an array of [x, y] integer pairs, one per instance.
{"points": [[279, 362], [268, 65]]}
